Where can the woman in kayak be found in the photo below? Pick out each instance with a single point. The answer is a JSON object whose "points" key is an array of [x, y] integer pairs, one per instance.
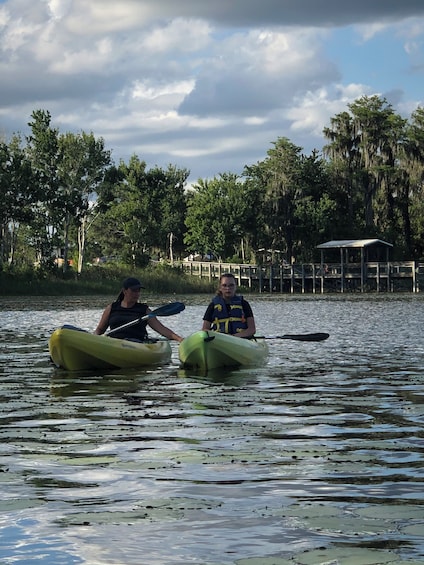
{"points": [[229, 313], [127, 308]]}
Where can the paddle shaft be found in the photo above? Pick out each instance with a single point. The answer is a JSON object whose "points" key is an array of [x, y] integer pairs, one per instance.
{"points": [[166, 310], [320, 336]]}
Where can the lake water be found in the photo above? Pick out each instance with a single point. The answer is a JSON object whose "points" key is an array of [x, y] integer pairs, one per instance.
{"points": [[315, 458]]}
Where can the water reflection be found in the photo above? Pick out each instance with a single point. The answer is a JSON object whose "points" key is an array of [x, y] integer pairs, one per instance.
{"points": [[314, 458]]}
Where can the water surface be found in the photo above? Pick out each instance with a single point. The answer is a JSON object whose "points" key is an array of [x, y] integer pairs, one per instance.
{"points": [[315, 458]]}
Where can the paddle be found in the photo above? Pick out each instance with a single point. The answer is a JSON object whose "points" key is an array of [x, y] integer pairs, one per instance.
{"points": [[300, 337], [166, 310]]}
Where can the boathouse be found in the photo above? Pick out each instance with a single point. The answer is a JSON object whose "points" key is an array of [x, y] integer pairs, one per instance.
{"points": [[369, 250], [354, 256]]}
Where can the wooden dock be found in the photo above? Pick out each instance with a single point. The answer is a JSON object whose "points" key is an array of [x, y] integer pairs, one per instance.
{"points": [[387, 276]]}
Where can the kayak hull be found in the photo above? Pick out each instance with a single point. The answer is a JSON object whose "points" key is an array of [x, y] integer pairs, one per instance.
{"points": [[77, 350], [210, 350]]}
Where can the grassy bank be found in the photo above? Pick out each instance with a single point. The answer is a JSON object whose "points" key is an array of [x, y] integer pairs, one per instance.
{"points": [[105, 279]]}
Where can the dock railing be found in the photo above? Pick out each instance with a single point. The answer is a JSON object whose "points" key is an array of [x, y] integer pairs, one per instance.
{"points": [[385, 276]]}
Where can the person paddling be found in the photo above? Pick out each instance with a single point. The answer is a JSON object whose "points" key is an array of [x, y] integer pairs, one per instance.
{"points": [[228, 312], [127, 308]]}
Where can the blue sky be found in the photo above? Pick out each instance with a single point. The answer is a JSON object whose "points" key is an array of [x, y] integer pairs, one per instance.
{"points": [[208, 86], [380, 62]]}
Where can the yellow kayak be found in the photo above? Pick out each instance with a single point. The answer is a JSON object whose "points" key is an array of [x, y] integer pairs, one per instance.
{"points": [[209, 350], [78, 350]]}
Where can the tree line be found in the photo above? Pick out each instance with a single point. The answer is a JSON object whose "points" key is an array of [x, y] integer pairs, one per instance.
{"points": [[63, 197]]}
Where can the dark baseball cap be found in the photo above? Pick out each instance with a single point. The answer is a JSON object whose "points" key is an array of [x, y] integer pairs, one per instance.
{"points": [[132, 283]]}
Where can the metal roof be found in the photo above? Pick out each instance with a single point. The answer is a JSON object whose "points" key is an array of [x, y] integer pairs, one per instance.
{"points": [[338, 243]]}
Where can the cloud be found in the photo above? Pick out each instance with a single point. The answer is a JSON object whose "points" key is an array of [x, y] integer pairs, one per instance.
{"points": [[203, 85], [254, 73], [109, 15]]}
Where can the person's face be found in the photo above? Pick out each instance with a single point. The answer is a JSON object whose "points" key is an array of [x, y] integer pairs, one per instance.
{"points": [[132, 293], [228, 287]]}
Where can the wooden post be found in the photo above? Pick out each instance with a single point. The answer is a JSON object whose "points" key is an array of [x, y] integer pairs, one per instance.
{"points": [[414, 281], [292, 279]]}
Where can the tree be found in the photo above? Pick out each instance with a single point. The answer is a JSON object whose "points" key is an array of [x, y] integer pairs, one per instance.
{"points": [[344, 156], [367, 147], [316, 210], [378, 131], [221, 213], [166, 204], [412, 189], [16, 196], [142, 209], [81, 171], [44, 154], [298, 206]]}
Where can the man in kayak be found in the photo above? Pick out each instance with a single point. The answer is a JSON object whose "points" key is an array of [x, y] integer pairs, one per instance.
{"points": [[127, 308], [229, 313]]}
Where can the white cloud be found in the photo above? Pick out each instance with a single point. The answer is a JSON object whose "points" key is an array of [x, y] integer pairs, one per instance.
{"points": [[84, 60], [212, 84], [313, 111], [58, 8], [369, 31], [178, 36]]}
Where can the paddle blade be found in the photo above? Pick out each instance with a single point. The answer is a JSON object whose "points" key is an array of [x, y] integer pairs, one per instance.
{"points": [[305, 337], [166, 310]]}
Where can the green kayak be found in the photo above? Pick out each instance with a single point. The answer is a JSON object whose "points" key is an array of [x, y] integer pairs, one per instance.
{"points": [[76, 350], [209, 350]]}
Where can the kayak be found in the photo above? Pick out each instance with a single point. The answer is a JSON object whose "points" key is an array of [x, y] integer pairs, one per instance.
{"points": [[74, 349], [209, 350]]}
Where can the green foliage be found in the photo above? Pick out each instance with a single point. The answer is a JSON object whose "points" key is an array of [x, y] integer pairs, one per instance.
{"points": [[220, 214], [102, 280], [17, 197], [371, 151], [297, 202], [141, 211], [61, 196], [81, 170]]}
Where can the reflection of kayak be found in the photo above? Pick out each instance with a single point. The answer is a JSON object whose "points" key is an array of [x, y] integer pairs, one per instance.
{"points": [[211, 350], [77, 350]]}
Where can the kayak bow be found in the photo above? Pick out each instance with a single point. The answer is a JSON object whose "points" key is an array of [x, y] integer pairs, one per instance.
{"points": [[209, 350]]}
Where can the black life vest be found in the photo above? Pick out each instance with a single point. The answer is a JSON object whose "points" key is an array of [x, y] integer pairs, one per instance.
{"points": [[228, 318], [120, 316]]}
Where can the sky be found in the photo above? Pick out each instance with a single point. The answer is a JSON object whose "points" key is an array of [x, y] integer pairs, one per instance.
{"points": [[205, 85]]}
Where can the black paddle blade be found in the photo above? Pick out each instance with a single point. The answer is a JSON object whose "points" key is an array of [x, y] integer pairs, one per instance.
{"points": [[168, 309], [320, 336]]}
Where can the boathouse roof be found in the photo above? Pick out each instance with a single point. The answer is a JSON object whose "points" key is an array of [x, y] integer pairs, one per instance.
{"points": [[339, 243]]}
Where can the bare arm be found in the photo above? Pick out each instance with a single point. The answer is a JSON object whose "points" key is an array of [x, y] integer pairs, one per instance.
{"points": [[206, 325], [156, 325], [103, 324]]}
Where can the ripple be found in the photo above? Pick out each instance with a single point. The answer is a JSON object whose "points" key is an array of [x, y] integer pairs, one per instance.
{"points": [[316, 457]]}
